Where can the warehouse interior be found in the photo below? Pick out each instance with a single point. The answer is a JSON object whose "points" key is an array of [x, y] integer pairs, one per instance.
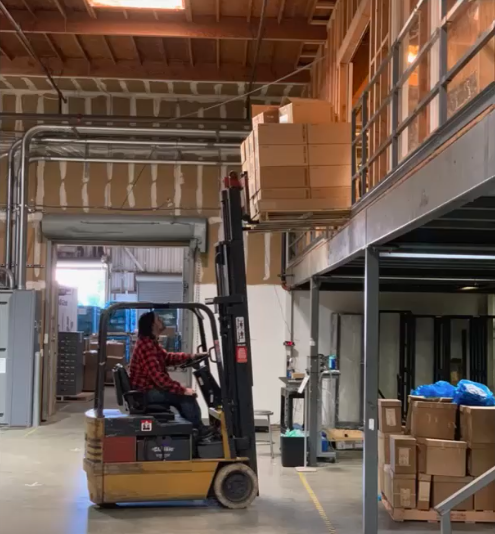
{"points": [[303, 192]]}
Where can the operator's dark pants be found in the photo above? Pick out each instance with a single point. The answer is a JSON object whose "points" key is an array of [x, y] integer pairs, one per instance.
{"points": [[186, 405]]}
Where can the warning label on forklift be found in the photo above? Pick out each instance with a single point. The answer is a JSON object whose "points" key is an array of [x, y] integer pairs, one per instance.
{"points": [[146, 425], [241, 354], [240, 330]]}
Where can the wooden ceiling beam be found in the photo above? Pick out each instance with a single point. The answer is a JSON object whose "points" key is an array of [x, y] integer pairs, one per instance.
{"points": [[217, 10], [188, 9], [190, 51], [8, 55], [281, 11], [218, 53], [28, 8], [109, 50], [136, 50], [54, 47], [89, 9], [163, 50], [295, 29], [60, 8], [156, 70], [81, 48], [249, 10]]}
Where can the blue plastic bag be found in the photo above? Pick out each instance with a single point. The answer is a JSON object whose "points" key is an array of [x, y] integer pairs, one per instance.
{"points": [[438, 389], [473, 394]]}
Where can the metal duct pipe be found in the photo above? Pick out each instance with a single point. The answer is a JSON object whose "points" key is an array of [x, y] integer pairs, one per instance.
{"points": [[10, 201], [175, 144], [124, 160], [9, 276], [36, 131]]}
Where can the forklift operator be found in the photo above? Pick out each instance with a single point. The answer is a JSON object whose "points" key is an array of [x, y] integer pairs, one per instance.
{"points": [[148, 373]]}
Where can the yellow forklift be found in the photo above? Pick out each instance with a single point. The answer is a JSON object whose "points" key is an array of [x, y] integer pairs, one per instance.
{"points": [[146, 453]]}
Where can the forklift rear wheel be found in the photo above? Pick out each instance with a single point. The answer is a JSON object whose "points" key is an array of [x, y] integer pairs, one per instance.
{"points": [[235, 486]]}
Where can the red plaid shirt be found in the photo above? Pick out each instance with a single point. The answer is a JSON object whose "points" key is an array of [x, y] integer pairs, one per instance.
{"points": [[148, 369]]}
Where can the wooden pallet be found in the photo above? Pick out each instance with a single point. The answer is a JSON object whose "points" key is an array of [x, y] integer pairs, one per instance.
{"points": [[344, 434], [402, 514], [85, 396], [283, 221]]}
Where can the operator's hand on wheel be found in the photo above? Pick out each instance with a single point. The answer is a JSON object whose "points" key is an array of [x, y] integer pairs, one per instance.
{"points": [[189, 392]]}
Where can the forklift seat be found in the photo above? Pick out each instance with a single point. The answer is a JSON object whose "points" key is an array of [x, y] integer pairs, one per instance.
{"points": [[135, 401]]}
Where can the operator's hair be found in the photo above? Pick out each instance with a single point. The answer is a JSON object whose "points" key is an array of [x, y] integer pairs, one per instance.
{"points": [[145, 324]]}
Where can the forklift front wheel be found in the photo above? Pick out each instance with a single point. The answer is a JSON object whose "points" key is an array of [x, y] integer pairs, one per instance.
{"points": [[235, 486]]}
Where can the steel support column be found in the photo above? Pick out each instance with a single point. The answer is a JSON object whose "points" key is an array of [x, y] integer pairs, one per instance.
{"points": [[313, 367], [371, 349]]}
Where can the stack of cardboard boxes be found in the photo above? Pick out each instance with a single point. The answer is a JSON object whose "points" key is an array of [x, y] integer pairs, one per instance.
{"points": [[297, 159], [115, 355], [423, 464]]}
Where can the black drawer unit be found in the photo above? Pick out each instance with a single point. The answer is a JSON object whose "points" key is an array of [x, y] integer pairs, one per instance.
{"points": [[70, 365]]}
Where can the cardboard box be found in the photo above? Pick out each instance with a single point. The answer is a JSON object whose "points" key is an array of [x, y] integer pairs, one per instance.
{"points": [[266, 117], [381, 478], [280, 134], [329, 154], [434, 420], [445, 458], [90, 370], [485, 498], [403, 454], [389, 416], [256, 109], [301, 206], [67, 309], [424, 492], [478, 424], [400, 490], [383, 448], [116, 349], [421, 455], [481, 458], [274, 177], [342, 194], [281, 155], [444, 487], [250, 147], [329, 175], [329, 134], [243, 152], [305, 111], [410, 400], [284, 193]]}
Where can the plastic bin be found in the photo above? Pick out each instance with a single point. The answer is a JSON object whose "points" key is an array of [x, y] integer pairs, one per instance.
{"points": [[292, 451]]}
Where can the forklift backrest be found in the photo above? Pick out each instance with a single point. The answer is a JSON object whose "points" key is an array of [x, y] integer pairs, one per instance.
{"points": [[121, 382]]}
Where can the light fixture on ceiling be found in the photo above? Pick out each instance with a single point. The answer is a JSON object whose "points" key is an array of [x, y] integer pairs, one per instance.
{"points": [[168, 5], [468, 288]]}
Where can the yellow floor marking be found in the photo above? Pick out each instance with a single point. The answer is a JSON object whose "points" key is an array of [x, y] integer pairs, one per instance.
{"points": [[318, 506], [32, 431]]}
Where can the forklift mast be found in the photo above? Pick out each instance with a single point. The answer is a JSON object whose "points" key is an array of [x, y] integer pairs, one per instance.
{"points": [[232, 306]]}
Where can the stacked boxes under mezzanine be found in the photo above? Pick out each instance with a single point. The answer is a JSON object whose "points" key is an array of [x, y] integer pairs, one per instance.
{"points": [[298, 164]]}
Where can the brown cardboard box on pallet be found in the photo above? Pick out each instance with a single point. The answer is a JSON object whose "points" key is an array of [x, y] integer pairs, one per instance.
{"points": [[338, 133], [481, 458], [343, 194], [283, 193], [478, 424], [281, 156], [281, 177], [305, 111], [445, 457], [389, 416], [400, 490], [485, 498], [257, 109], [403, 454], [329, 154], [383, 448], [280, 134], [424, 492], [434, 420], [302, 205], [266, 117], [330, 175], [444, 487]]}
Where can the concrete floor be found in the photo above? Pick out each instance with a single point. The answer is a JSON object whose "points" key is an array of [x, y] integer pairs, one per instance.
{"points": [[43, 489]]}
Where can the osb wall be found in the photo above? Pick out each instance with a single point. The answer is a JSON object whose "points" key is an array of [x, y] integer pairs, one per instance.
{"points": [[101, 188]]}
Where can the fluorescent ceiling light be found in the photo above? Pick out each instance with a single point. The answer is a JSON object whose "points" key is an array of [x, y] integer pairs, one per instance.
{"points": [[468, 288], [139, 4]]}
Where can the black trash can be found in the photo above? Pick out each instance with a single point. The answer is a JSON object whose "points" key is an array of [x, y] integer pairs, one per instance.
{"points": [[292, 451]]}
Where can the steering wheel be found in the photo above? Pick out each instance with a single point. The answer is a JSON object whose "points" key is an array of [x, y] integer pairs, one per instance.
{"points": [[193, 361]]}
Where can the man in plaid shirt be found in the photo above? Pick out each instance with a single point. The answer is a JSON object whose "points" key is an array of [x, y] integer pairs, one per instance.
{"points": [[148, 372]]}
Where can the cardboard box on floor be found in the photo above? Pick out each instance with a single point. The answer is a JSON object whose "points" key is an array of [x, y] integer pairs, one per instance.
{"points": [[400, 490], [434, 420], [424, 492], [444, 487], [305, 111], [90, 370], [445, 458], [484, 499], [478, 424], [383, 448], [403, 454], [389, 416], [481, 458]]}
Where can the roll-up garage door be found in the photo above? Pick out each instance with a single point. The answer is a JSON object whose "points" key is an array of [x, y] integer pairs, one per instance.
{"points": [[159, 288]]}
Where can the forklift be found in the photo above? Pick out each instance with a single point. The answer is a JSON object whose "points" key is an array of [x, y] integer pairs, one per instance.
{"points": [[147, 453]]}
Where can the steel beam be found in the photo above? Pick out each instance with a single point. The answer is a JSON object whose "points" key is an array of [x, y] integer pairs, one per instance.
{"points": [[294, 29], [371, 349], [314, 373]]}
